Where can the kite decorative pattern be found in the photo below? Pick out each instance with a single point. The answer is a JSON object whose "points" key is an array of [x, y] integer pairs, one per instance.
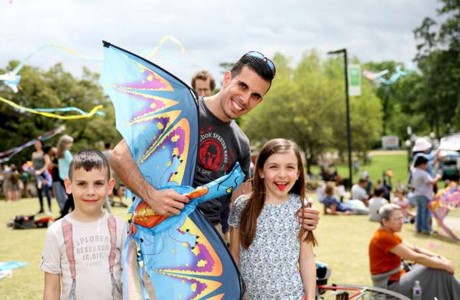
{"points": [[182, 256]]}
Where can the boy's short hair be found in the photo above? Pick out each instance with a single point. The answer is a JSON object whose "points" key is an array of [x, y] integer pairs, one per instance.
{"points": [[329, 190], [88, 160], [420, 160]]}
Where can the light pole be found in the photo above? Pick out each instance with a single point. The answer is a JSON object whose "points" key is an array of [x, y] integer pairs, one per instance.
{"points": [[347, 107]]}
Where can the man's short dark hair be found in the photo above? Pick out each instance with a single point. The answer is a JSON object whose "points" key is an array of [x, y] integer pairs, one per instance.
{"points": [[88, 160], [420, 160], [204, 75], [257, 64]]}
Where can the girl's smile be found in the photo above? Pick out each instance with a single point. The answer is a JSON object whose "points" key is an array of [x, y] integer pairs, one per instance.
{"points": [[280, 172]]}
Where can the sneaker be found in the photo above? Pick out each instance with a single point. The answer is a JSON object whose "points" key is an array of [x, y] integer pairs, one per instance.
{"points": [[428, 232]]}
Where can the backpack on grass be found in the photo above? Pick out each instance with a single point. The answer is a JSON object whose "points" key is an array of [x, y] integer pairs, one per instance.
{"points": [[30, 221]]}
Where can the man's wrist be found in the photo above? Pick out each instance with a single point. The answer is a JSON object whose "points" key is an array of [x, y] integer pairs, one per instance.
{"points": [[150, 193]]}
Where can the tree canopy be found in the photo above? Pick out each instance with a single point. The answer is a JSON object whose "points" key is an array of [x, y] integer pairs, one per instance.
{"points": [[438, 59], [54, 88], [307, 104]]}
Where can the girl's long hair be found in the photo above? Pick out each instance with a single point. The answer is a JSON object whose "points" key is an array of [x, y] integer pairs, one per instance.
{"points": [[256, 201], [63, 142]]}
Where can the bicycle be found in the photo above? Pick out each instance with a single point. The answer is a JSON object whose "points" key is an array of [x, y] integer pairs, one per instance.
{"points": [[349, 291]]}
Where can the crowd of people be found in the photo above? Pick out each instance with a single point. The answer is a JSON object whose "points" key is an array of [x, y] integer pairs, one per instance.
{"points": [[389, 254], [43, 176], [271, 220], [242, 89]]}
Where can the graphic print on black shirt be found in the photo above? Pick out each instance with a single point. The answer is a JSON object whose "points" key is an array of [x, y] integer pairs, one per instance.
{"points": [[214, 155]]}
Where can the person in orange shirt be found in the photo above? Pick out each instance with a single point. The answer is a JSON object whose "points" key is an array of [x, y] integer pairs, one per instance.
{"points": [[386, 250]]}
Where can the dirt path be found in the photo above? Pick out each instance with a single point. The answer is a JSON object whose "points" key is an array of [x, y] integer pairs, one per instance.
{"points": [[387, 152]]}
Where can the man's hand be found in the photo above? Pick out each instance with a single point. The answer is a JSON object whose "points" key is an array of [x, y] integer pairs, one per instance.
{"points": [[308, 218], [166, 202]]}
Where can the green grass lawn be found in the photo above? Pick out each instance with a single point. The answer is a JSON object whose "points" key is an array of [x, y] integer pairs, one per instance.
{"points": [[343, 245], [344, 239], [380, 161], [343, 242], [24, 246]]}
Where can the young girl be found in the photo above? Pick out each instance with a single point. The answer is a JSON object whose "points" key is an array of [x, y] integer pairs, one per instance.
{"points": [[64, 158], [40, 163], [267, 241], [401, 201]]}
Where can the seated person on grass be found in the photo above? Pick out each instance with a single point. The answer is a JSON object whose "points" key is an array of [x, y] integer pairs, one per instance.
{"points": [[402, 201], [386, 250], [335, 207], [375, 203], [358, 191], [332, 205]]}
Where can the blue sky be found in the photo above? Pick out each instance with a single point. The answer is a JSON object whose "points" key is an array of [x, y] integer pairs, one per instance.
{"points": [[210, 31]]}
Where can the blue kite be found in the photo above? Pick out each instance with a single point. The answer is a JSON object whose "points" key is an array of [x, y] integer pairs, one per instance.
{"points": [[178, 257]]}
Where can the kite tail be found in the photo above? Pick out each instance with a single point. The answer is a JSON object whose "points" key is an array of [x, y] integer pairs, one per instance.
{"points": [[73, 294], [115, 288], [132, 284], [140, 272]]}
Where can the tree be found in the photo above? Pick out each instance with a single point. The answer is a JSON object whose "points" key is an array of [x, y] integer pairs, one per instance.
{"points": [[407, 106], [438, 58], [306, 104], [51, 89], [386, 94]]}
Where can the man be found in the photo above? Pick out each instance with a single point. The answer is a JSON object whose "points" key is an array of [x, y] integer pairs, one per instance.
{"points": [[386, 249], [422, 147], [358, 191], [203, 83], [422, 183], [222, 143]]}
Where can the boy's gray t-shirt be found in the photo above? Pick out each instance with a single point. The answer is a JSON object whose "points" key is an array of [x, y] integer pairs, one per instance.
{"points": [[421, 183]]}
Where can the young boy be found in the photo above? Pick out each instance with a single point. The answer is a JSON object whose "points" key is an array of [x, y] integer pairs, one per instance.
{"points": [[82, 252]]}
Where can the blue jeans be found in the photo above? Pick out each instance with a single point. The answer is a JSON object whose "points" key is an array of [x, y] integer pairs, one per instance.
{"points": [[423, 221], [42, 187]]}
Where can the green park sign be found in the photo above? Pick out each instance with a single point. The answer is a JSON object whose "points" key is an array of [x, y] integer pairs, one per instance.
{"points": [[354, 80]]}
